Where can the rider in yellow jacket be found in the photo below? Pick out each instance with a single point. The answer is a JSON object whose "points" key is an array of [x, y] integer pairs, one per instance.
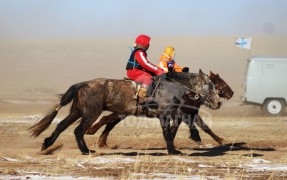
{"points": [[167, 62]]}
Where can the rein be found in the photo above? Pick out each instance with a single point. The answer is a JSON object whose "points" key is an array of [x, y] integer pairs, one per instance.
{"points": [[196, 92]]}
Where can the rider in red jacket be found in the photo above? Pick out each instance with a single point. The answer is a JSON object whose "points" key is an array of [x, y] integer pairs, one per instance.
{"points": [[139, 68]]}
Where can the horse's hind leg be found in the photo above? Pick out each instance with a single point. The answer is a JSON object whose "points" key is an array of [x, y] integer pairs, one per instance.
{"points": [[86, 122], [104, 136], [71, 118], [207, 130], [103, 121]]}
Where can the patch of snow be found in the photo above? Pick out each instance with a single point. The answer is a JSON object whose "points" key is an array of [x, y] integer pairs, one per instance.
{"points": [[184, 160], [80, 165], [138, 174], [100, 168], [34, 118], [258, 161], [204, 166], [190, 169], [266, 167], [164, 175], [258, 164], [21, 101], [17, 101], [38, 177], [102, 160], [209, 146], [9, 159], [175, 176]]}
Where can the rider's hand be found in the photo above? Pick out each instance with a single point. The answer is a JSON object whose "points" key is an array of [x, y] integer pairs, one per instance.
{"points": [[185, 69], [170, 69], [159, 71]]}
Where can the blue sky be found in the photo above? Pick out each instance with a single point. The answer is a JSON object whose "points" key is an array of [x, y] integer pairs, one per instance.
{"points": [[41, 19]]}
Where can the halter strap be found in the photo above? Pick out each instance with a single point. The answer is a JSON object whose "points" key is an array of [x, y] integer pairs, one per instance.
{"points": [[196, 92]]}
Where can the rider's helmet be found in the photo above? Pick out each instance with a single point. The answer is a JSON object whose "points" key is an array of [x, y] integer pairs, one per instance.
{"points": [[169, 51], [143, 40]]}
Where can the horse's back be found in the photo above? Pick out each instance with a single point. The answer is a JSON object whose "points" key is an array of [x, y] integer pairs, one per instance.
{"points": [[117, 95]]}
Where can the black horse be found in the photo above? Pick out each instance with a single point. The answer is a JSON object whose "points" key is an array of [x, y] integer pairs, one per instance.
{"points": [[224, 91], [91, 98]]}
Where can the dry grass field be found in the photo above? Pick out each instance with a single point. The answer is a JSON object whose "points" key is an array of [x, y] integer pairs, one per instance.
{"points": [[255, 148], [34, 72]]}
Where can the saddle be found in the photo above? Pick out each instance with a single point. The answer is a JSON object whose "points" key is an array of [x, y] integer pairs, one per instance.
{"points": [[151, 90]]}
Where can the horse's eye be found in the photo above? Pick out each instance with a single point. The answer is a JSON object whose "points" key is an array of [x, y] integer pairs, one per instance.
{"points": [[221, 92]]}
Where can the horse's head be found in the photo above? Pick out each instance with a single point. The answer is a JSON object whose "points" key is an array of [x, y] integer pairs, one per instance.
{"points": [[222, 88], [206, 91], [199, 85]]}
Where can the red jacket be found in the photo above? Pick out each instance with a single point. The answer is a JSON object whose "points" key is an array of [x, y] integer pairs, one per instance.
{"points": [[141, 58]]}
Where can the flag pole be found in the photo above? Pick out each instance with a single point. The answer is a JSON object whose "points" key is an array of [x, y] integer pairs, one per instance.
{"points": [[250, 49]]}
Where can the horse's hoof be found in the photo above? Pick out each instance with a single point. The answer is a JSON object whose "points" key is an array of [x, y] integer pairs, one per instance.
{"points": [[51, 149], [43, 147], [103, 145], [198, 143], [88, 152], [220, 141], [174, 152]]}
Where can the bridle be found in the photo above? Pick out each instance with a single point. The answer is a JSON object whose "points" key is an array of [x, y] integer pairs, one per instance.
{"points": [[197, 93], [219, 89]]}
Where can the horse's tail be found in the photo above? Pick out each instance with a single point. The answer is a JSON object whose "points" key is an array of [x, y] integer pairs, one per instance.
{"points": [[66, 98]]}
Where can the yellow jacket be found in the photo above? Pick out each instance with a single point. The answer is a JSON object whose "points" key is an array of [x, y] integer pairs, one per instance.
{"points": [[166, 62]]}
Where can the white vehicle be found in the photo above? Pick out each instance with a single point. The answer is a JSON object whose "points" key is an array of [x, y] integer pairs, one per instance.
{"points": [[266, 84]]}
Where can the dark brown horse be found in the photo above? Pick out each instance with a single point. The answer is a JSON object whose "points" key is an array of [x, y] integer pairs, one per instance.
{"points": [[91, 98], [223, 90]]}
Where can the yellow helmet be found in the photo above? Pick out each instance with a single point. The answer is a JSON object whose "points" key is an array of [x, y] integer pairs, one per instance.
{"points": [[169, 51]]}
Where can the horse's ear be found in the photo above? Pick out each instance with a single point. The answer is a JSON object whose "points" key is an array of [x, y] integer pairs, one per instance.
{"points": [[211, 74], [201, 73]]}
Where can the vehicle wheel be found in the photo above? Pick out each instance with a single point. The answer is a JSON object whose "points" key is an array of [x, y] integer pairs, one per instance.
{"points": [[273, 107]]}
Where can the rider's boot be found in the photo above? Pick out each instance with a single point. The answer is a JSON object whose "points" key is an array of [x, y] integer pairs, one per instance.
{"points": [[143, 94]]}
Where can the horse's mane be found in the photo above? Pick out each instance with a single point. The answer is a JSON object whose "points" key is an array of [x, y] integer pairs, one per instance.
{"points": [[181, 75]]}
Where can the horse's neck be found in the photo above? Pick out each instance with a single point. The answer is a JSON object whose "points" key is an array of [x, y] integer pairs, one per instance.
{"points": [[188, 80]]}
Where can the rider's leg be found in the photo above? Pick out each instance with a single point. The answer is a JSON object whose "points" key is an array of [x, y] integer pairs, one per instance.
{"points": [[143, 91]]}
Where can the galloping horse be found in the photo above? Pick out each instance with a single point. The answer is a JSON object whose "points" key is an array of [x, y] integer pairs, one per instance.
{"points": [[91, 98], [224, 91]]}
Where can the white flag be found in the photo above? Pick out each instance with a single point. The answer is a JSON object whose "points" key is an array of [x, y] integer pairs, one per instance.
{"points": [[243, 42]]}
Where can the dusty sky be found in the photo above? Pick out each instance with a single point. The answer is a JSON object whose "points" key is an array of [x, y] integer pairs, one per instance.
{"points": [[41, 19]]}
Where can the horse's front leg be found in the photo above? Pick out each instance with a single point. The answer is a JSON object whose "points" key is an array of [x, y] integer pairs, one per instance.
{"points": [[194, 134], [207, 130], [165, 125], [174, 127]]}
